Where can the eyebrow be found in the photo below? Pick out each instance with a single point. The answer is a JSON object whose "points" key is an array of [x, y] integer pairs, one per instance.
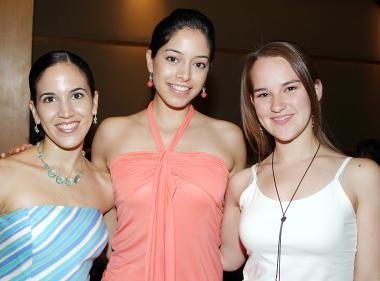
{"points": [[76, 89], [178, 52], [283, 84], [71, 91], [46, 94]]}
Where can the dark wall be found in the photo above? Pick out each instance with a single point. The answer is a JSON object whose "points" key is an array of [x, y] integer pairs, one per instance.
{"points": [[343, 36]]}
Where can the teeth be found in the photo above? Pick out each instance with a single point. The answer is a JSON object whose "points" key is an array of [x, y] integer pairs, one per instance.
{"points": [[66, 126], [180, 88], [281, 118]]}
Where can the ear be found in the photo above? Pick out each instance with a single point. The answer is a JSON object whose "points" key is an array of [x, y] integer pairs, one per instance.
{"points": [[149, 60], [95, 103], [251, 98], [318, 88], [34, 112]]}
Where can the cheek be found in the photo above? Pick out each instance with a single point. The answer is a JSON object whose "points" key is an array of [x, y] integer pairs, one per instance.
{"points": [[85, 111], [163, 70], [200, 76], [304, 104], [260, 108], [46, 112]]}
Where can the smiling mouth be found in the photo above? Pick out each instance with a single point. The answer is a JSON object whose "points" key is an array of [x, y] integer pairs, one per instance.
{"points": [[179, 88], [281, 119], [67, 127]]}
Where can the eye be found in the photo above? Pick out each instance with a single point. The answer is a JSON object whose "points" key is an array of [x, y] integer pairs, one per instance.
{"points": [[291, 88], [172, 59], [261, 95], [48, 99], [77, 95], [200, 65]]}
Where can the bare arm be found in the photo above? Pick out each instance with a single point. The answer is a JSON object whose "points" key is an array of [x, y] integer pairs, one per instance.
{"points": [[111, 221], [236, 140], [363, 178], [232, 251], [100, 143]]}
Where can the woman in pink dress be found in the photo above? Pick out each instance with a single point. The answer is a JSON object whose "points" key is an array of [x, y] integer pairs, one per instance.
{"points": [[170, 164]]}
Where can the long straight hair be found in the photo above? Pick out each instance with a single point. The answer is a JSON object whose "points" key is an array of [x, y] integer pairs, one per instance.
{"points": [[301, 63]]}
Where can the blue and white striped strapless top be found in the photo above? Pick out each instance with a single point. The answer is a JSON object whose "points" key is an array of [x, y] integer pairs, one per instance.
{"points": [[50, 243]]}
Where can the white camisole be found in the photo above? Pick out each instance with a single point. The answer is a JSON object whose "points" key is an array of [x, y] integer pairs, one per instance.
{"points": [[319, 236]]}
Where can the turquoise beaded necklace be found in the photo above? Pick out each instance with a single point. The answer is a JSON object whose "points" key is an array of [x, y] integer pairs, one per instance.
{"points": [[52, 173]]}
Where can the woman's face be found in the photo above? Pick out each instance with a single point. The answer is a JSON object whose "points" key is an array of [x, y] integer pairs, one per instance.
{"points": [[180, 67], [64, 105], [281, 102]]}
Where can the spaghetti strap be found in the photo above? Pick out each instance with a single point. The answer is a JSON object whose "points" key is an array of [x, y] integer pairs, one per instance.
{"points": [[341, 168], [254, 173], [177, 136]]}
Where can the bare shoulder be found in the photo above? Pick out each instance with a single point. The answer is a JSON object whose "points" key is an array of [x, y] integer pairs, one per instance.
{"points": [[227, 133], [361, 169], [115, 131], [362, 176], [228, 137], [17, 161], [224, 129], [115, 126], [239, 182], [11, 170]]}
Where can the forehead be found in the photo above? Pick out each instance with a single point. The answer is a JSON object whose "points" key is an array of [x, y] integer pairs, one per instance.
{"points": [[61, 73], [272, 69], [188, 39]]}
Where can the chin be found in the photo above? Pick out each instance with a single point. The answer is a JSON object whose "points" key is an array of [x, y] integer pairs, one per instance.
{"points": [[286, 138], [178, 103], [69, 144]]}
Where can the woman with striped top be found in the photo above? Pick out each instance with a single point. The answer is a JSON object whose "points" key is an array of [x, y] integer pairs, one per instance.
{"points": [[51, 197]]}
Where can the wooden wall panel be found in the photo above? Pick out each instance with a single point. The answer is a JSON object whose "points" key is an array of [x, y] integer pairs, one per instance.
{"points": [[16, 22]]}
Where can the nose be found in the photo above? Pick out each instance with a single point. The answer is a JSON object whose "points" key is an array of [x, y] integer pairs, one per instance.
{"points": [[184, 72], [277, 104], [66, 109]]}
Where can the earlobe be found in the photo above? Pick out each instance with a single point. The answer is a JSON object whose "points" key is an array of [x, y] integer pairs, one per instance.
{"points": [[149, 60], [34, 112], [318, 88]]}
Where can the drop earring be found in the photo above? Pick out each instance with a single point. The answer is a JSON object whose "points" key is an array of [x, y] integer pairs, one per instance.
{"points": [[95, 119], [149, 83], [36, 129], [204, 94]]}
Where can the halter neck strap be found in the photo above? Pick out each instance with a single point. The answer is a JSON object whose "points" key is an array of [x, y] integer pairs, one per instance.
{"points": [[180, 131]]}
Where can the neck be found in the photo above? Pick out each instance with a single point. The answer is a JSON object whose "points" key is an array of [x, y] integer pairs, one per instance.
{"points": [[66, 161], [295, 151], [164, 114]]}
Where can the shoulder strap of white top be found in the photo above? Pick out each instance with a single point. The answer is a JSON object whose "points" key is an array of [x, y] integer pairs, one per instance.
{"points": [[254, 173], [342, 166]]}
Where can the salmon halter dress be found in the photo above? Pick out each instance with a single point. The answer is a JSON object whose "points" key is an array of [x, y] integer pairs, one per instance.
{"points": [[169, 208]]}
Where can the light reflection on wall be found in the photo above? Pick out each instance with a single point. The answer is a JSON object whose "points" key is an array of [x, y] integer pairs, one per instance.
{"points": [[142, 16]]}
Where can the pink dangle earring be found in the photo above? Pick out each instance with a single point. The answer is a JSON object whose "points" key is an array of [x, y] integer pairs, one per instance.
{"points": [[149, 83], [204, 94]]}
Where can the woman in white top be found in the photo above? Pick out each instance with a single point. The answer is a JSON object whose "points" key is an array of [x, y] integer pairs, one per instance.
{"points": [[304, 211]]}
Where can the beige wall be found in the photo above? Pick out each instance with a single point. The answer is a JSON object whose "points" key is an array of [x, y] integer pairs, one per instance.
{"points": [[343, 36], [16, 18]]}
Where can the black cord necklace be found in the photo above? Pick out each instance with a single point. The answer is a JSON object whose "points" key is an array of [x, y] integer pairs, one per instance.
{"points": [[283, 218]]}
